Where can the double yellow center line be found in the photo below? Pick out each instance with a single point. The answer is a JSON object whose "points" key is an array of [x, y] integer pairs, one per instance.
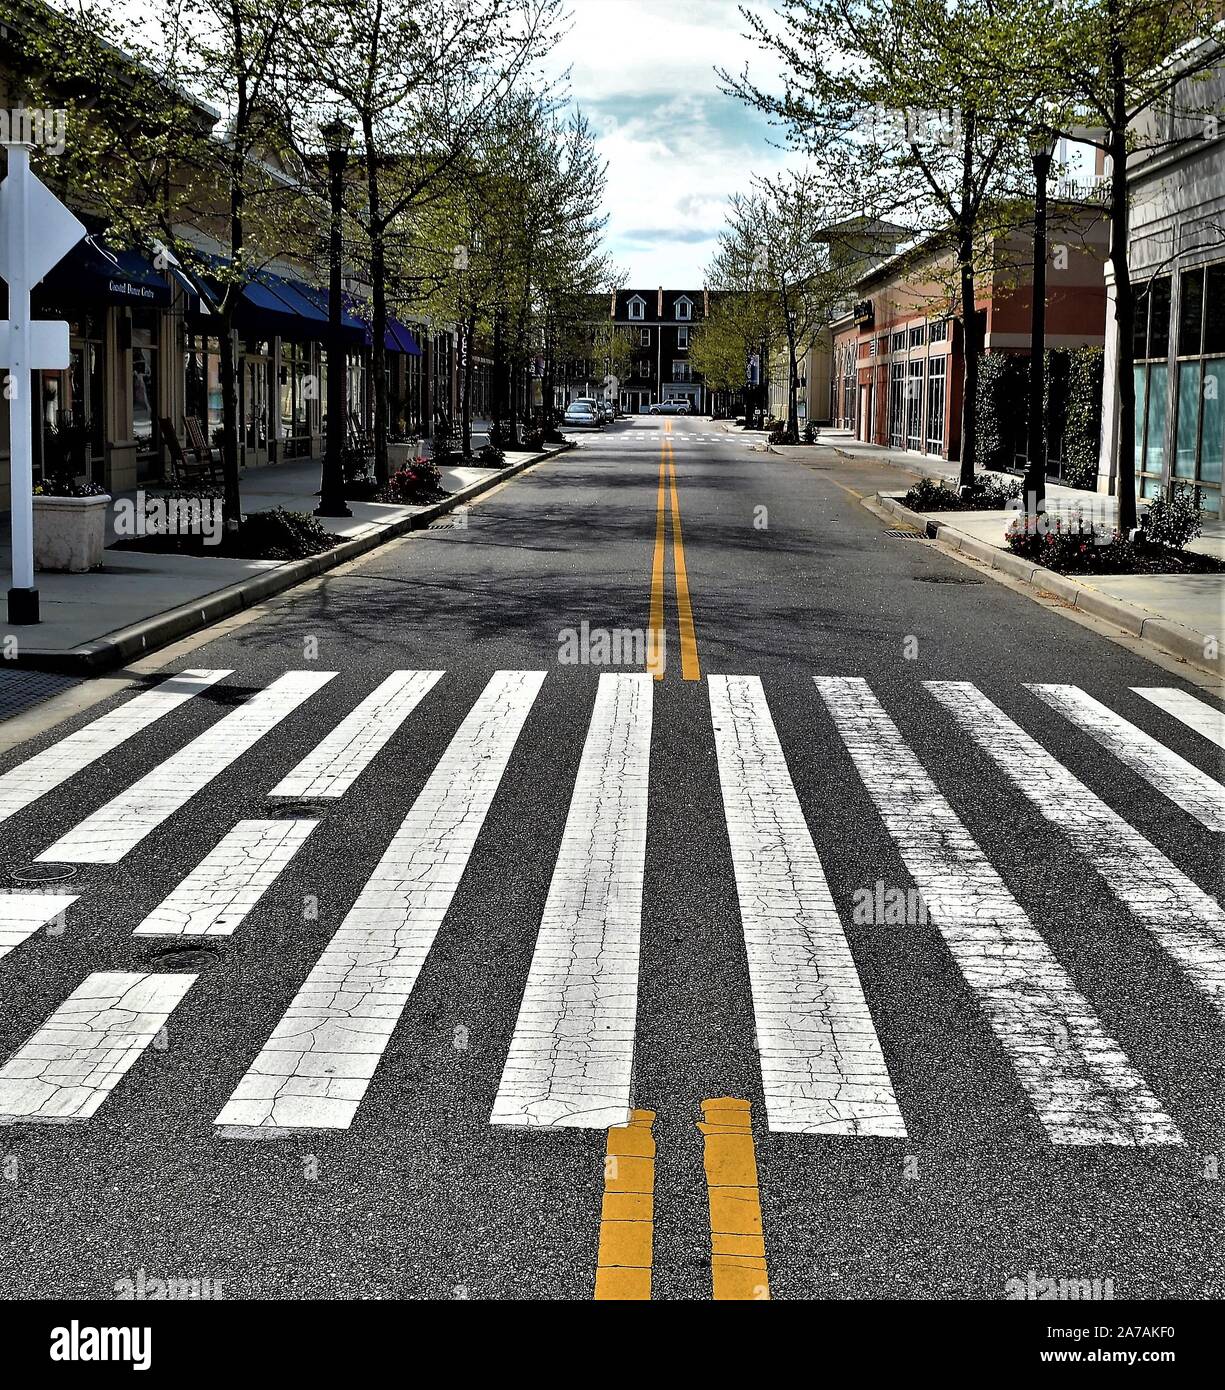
{"points": [[627, 1217], [667, 496]]}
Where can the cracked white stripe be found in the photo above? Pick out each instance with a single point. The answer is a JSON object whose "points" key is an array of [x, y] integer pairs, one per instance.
{"points": [[21, 915], [46, 770], [316, 1066], [823, 1071], [227, 883], [76, 1059], [571, 1058], [1079, 1081], [1187, 923], [1195, 714], [337, 762], [107, 835], [1174, 777]]}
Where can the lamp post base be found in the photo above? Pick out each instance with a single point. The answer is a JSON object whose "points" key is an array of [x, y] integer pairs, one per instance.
{"points": [[23, 606], [332, 509]]}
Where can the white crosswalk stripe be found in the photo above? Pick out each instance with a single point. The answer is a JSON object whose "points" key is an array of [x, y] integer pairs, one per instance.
{"points": [[1188, 924], [1172, 776], [82, 1052], [1195, 714], [107, 835], [571, 1059], [316, 1066], [46, 770], [21, 915], [227, 883], [572, 1056], [331, 768], [822, 1067], [1080, 1083]]}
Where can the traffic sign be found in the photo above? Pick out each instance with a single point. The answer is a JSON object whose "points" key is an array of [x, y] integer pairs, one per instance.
{"points": [[36, 232]]}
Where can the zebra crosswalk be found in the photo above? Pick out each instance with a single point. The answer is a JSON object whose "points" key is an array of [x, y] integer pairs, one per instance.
{"points": [[571, 1058]]}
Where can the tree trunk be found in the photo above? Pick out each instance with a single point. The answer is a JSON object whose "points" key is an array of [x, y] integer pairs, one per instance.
{"points": [[378, 287], [228, 364], [971, 351], [1124, 302], [231, 502], [793, 384], [498, 383], [465, 385]]}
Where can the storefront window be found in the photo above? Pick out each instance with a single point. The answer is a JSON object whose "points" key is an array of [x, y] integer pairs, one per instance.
{"points": [[897, 389], [144, 381], [1199, 441], [936, 381], [914, 405], [202, 393]]}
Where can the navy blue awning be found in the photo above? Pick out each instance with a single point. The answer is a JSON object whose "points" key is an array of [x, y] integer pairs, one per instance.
{"points": [[95, 272]]}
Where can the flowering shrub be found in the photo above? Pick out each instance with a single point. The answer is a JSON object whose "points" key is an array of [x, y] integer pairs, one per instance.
{"points": [[419, 481], [1173, 521], [61, 485], [985, 494], [490, 456], [1074, 544]]}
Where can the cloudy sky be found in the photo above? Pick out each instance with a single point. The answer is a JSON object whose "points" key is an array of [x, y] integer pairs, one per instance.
{"points": [[676, 147]]}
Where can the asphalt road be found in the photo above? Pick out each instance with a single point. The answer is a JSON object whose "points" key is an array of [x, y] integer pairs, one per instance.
{"points": [[788, 578]]}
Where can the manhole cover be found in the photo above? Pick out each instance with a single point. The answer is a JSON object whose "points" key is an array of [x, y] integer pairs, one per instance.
{"points": [[185, 956], [44, 873]]}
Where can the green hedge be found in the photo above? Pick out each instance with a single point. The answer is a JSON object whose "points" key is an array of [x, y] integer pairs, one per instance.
{"points": [[1073, 409]]}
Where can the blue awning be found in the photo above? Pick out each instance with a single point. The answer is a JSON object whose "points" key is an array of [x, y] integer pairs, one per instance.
{"points": [[95, 272]]}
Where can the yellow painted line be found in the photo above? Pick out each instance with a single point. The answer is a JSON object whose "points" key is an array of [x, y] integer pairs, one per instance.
{"points": [[737, 1243], [657, 633], [627, 1218], [691, 670]]}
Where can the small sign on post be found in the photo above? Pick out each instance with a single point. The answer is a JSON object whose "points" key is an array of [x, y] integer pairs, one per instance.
{"points": [[36, 232]]}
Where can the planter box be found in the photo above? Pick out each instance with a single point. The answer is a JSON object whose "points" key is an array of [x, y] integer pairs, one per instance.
{"points": [[401, 455], [69, 532]]}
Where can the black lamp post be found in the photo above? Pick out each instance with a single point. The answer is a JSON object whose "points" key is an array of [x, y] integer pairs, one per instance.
{"points": [[336, 137], [1042, 148]]}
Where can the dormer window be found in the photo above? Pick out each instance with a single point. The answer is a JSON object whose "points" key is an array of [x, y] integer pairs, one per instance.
{"points": [[637, 307], [684, 307]]}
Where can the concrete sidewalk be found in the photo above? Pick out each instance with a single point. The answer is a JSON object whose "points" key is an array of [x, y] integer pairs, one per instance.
{"points": [[139, 600], [1182, 614]]}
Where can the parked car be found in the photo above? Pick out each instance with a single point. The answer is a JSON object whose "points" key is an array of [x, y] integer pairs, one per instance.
{"points": [[583, 415], [608, 412], [677, 407]]}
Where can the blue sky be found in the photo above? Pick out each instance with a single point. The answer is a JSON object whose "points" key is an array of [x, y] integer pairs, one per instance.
{"points": [[676, 147]]}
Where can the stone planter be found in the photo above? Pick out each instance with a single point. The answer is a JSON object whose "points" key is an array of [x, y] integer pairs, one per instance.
{"points": [[401, 455], [69, 532]]}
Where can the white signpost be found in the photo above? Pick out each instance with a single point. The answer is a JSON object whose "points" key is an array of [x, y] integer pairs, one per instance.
{"points": [[36, 232]]}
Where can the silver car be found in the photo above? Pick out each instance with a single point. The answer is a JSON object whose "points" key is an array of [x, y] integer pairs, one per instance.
{"points": [[674, 407], [583, 415]]}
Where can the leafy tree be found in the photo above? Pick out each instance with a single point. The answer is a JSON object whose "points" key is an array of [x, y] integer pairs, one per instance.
{"points": [[909, 104], [1131, 74], [421, 80]]}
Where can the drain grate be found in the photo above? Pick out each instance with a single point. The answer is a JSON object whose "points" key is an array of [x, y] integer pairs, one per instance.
{"points": [[909, 535], [44, 873], [184, 956]]}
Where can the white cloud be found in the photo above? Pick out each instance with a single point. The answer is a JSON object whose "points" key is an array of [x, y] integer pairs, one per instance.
{"points": [[676, 147]]}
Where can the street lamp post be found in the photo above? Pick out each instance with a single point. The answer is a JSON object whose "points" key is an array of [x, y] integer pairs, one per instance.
{"points": [[1042, 148], [336, 137]]}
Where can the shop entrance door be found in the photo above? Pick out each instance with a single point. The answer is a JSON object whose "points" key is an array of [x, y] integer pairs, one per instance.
{"points": [[254, 406]]}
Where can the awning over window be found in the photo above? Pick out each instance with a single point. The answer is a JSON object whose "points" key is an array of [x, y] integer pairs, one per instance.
{"points": [[97, 273]]}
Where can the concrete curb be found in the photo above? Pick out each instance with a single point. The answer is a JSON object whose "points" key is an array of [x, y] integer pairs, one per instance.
{"points": [[1175, 639], [128, 643]]}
